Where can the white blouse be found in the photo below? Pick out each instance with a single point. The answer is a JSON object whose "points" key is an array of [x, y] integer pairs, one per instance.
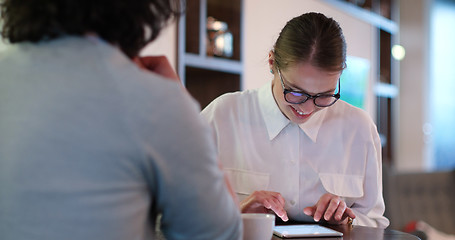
{"points": [[337, 151]]}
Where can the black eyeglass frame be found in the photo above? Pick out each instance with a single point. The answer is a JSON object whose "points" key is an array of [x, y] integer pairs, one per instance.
{"points": [[308, 96]]}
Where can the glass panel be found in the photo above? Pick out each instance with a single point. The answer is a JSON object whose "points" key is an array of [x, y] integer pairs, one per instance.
{"points": [[441, 131]]}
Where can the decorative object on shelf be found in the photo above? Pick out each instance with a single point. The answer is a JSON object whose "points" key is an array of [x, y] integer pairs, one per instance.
{"points": [[219, 38], [209, 48]]}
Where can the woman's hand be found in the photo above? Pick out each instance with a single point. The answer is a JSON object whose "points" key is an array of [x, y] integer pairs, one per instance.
{"points": [[157, 64], [264, 202], [331, 208]]}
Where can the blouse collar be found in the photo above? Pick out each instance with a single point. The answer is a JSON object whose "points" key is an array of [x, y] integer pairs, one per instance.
{"points": [[276, 121]]}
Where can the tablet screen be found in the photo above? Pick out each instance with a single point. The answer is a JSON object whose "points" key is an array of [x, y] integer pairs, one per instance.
{"points": [[312, 230]]}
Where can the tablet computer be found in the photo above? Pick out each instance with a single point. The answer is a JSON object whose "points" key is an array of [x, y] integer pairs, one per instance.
{"points": [[311, 230]]}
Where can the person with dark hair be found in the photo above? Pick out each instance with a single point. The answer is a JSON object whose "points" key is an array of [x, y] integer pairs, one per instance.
{"points": [[292, 147], [92, 146]]}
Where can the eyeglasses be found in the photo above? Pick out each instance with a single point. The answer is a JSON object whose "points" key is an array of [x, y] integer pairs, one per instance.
{"points": [[298, 97]]}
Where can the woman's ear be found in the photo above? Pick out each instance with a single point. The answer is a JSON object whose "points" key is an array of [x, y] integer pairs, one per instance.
{"points": [[271, 61]]}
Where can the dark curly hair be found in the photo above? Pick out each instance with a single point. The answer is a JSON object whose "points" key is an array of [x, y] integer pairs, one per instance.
{"points": [[128, 24]]}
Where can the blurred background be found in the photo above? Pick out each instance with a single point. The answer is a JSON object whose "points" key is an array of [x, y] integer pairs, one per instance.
{"points": [[401, 70], [401, 66]]}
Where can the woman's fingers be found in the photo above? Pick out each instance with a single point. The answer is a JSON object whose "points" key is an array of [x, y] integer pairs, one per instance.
{"points": [[309, 210], [274, 203], [334, 205], [330, 208], [349, 213], [338, 215], [261, 201], [321, 206]]}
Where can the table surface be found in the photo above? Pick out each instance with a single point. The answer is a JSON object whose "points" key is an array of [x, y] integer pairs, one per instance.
{"points": [[362, 233]]}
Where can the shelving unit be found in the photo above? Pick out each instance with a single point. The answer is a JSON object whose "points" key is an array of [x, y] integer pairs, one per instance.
{"points": [[205, 75], [383, 15]]}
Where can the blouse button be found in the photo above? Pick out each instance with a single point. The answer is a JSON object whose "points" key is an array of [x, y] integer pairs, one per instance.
{"points": [[292, 202]]}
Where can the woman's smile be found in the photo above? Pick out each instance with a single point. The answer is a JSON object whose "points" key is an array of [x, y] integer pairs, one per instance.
{"points": [[300, 114]]}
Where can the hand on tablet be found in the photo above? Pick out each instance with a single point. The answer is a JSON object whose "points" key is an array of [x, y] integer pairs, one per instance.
{"points": [[264, 202], [331, 208]]}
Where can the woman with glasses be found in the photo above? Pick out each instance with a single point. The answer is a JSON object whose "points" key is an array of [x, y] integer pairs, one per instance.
{"points": [[292, 147]]}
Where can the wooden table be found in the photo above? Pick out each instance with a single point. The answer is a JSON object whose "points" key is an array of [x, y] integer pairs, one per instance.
{"points": [[362, 233]]}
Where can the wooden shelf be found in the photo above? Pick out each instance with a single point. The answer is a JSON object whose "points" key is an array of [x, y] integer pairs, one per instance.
{"points": [[368, 16], [213, 63], [207, 76]]}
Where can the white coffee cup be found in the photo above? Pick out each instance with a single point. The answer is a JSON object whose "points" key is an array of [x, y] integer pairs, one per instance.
{"points": [[258, 226]]}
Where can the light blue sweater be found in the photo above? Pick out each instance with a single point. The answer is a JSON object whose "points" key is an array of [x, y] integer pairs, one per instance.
{"points": [[91, 147]]}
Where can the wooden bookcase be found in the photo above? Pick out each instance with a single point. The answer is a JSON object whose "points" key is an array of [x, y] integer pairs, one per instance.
{"points": [[207, 76]]}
